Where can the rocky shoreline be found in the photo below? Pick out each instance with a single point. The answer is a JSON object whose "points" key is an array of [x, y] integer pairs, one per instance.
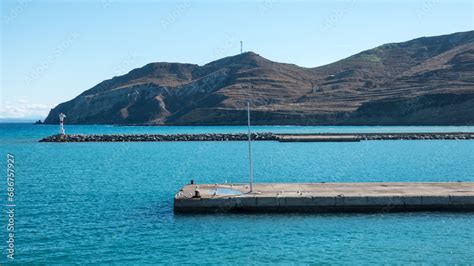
{"points": [[266, 136]]}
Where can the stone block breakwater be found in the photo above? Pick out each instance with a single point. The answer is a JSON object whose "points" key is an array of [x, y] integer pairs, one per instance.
{"points": [[156, 137], [265, 136]]}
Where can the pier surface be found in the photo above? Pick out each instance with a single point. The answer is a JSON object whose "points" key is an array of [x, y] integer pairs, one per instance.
{"points": [[261, 136], [326, 197]]}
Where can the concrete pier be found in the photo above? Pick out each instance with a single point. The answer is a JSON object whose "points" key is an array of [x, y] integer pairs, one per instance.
{"points": [[319, 138], [326, 197]]}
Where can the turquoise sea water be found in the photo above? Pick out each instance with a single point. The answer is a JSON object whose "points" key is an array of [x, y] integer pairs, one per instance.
{"points": [[112, 202]]}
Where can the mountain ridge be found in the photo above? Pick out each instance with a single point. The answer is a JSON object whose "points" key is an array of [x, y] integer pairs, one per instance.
{"points": [[424, 81]]}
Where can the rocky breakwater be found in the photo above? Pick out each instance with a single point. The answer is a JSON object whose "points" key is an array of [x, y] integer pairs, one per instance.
{"points": [[321, 137], [157, 137]]}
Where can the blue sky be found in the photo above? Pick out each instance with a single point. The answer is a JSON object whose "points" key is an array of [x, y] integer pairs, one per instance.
{"points": [[51, 51]]}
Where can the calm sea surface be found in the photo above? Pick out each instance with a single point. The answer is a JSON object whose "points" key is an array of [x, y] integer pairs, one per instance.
{"points": [[112, 202]]}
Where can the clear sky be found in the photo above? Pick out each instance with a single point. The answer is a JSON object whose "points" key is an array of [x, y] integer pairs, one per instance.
{"points": [[51, 51]]}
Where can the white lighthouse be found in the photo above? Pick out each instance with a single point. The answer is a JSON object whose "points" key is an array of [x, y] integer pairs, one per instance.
{"points": [[61, 123]]}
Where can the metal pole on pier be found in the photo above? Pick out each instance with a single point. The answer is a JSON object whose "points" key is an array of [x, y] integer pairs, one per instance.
{"points": [[250, 147]]}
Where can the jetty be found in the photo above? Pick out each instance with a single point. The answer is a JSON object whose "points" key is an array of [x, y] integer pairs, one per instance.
{"points": [[260, 136], [325, 197]]}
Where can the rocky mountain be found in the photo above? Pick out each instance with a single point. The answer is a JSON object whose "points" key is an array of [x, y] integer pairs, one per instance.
{"points": [[425, 81]]}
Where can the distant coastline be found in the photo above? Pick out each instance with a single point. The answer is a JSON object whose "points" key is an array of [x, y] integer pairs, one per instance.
{"points": [[18, 120]]}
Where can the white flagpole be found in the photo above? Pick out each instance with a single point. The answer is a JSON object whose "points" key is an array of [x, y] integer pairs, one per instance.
{"points": [[250, 147]]}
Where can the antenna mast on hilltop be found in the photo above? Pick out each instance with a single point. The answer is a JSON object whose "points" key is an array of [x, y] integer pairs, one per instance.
{"points": [[241, 47]]}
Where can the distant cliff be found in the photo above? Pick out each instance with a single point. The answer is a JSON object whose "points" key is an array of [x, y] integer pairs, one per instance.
{"points": [[425, 81]]}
